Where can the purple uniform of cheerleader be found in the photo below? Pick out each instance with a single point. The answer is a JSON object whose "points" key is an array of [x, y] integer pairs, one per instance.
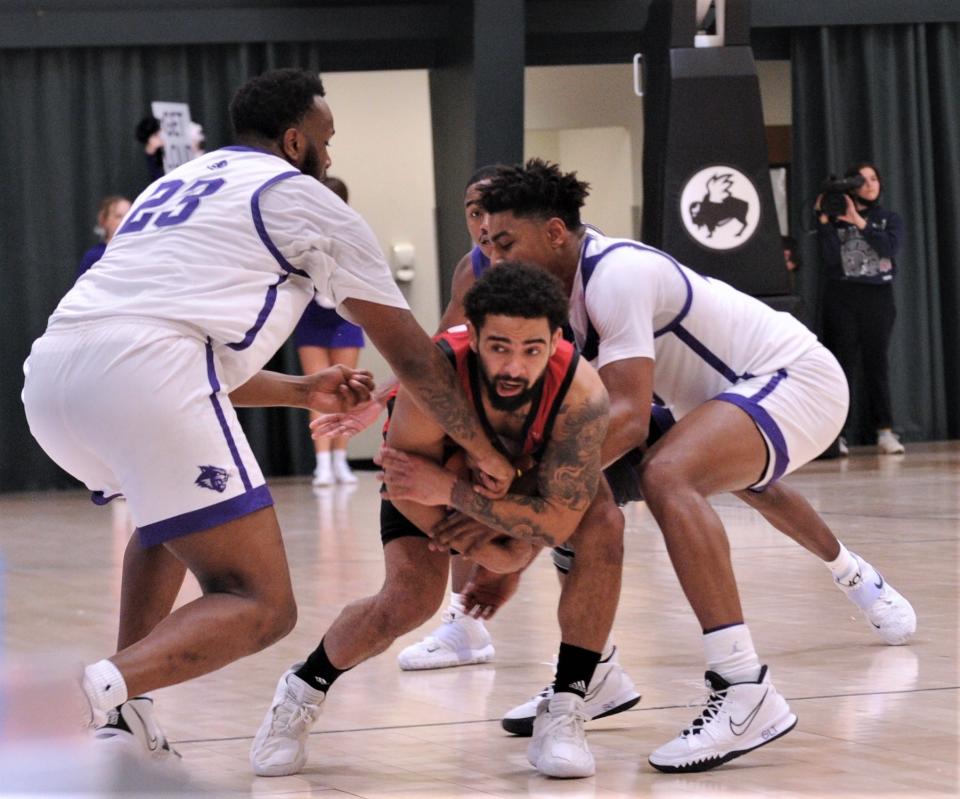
{"points": [[324, 327]]}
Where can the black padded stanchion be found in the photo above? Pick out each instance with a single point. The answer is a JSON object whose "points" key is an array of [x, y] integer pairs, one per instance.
{"points": [[707, 194]]}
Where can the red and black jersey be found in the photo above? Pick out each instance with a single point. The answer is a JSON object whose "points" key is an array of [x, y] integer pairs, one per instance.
{"points": [[455, 344]]}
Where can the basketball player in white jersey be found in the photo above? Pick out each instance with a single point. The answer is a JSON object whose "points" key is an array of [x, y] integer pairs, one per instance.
{"points": [[132, 387], [755, 396]]}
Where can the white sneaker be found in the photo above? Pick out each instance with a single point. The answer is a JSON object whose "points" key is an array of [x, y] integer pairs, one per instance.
{"points": [[460, 641], [134, 723], [888, 443], [883, 606], [342, 473], [610, 691], [280, 746], [322, 476], [558, 747], [842, 447], [736, 719]]}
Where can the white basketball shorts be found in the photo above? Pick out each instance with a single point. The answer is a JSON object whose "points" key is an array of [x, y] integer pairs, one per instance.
{"points": [[799, 410], [134, 407]]}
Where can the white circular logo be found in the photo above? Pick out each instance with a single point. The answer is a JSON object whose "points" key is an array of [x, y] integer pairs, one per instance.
{"points": [[720, 207]]}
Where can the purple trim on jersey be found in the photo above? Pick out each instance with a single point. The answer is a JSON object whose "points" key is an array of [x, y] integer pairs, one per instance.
{"points": [[478, 261], [288, 268], [99, 498], [246, 148], [700, 349], [763, 420], [588, 264], [196, 521], [218, 410], [268, 303], [262, 230]]}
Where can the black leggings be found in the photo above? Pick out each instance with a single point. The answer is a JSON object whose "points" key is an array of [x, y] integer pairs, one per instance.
{"points": [[858, 321]]}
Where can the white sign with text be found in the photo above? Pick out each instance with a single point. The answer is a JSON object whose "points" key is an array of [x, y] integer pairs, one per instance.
{"points": [[174, 119]]}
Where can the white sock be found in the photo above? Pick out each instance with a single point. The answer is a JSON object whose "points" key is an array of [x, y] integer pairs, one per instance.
{"points": [[323, 461], [730, 654], [457, 606], [844, 567], [104, 685], [339, 457]]}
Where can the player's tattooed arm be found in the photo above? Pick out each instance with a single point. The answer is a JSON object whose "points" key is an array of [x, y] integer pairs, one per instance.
{"points": [[567, 482]]}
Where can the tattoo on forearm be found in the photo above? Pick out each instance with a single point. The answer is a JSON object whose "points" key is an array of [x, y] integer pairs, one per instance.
{"points": [[567, 476], [438, 392], [494, 513]]}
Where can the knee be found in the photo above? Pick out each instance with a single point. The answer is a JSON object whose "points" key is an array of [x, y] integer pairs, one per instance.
{"points": [[272, 609], [405, 604], [276, 616], [600, 538], [661, 477]]}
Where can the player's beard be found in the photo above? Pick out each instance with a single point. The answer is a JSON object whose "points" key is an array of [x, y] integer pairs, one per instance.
{"points": [[311, 162], [511, 403]]}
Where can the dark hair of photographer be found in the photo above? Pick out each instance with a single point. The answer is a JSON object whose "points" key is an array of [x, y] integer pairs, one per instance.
{"points": [[859, 240]]}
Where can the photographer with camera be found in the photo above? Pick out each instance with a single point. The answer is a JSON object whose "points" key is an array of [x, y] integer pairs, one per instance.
{"points": [[858, 241]]}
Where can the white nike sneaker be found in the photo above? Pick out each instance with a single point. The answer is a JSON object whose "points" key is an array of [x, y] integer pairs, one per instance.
{"points": [[460, 641], [558, 747], [610, 691], [134, 723], [736, 719], [883, 606], [280, 745]]}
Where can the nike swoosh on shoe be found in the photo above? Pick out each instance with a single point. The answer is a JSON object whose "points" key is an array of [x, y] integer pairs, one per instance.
{"points": [[740, 727]]}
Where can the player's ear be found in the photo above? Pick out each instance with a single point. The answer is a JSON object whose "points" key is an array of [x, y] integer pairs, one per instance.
{"points": [[474, 337], [556, 232], [555, 339], [292, 143]]}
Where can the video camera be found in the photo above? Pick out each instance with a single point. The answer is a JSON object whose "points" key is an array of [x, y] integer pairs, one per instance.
{"points": [[833, 203]]}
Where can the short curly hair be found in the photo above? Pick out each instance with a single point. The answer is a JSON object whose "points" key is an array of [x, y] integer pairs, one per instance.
{"points": [[536, 189], [516, 289], [267, 105]]}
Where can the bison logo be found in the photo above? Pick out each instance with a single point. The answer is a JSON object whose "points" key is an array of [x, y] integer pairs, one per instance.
{"points": [[720, 207]]}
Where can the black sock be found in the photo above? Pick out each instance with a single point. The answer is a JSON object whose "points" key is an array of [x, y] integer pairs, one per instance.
{"points": [[318, 672], [575, 667]]}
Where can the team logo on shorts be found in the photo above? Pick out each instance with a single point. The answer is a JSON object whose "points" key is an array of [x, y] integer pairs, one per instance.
{"points": [[213, 477]]}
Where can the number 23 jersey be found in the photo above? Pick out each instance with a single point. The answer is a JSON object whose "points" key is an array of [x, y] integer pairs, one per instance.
{"points": [[232, 246]]}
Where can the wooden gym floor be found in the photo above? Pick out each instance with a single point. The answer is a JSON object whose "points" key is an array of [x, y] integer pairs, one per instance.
{"points": [[873, 719]]}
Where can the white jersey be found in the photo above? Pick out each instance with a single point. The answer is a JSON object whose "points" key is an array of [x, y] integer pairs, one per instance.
{"points": [[633, 301], [231, 247]]}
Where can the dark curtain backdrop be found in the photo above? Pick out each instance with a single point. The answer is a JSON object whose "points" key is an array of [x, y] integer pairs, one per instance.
{"points": [[66, 139], [889, 94]]}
